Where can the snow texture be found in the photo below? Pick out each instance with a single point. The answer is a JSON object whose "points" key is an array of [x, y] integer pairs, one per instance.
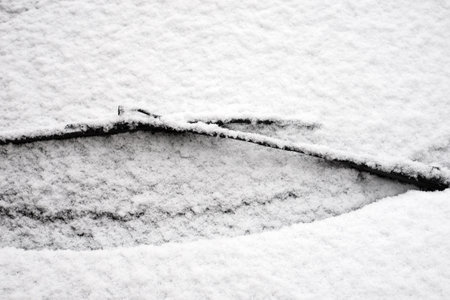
{"points": [[373, 75], [145, 187], [386, 165], [395, 248]]}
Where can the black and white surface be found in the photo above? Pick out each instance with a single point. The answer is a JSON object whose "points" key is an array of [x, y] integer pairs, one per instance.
{"points": [[239, 221]]}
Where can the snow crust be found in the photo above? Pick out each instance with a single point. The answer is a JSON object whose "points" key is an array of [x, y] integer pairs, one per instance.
{"points": [[395, 248], [386, 164], [373, 74], [153, 188]]}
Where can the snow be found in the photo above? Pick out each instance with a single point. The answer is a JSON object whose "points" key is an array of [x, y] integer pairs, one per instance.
{"points": [[158, 187], [367, 69], [395, 248], [373, 75], [384, 164]]}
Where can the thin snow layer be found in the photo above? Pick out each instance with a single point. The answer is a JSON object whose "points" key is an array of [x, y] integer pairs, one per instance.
{"points": [[404, 167], [396, 248], [375, 73], [152, 188]]}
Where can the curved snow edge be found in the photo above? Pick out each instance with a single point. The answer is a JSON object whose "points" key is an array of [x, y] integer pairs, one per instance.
{"points": [[423, 176]]}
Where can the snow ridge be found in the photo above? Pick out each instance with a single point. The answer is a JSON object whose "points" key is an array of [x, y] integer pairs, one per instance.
{"points": [[424, 176]]}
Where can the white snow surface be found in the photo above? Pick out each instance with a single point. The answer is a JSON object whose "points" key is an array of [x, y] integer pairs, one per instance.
{"points": [[267, 134], [158, 187], [373, 74], [395, 248], [378, 71]]}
